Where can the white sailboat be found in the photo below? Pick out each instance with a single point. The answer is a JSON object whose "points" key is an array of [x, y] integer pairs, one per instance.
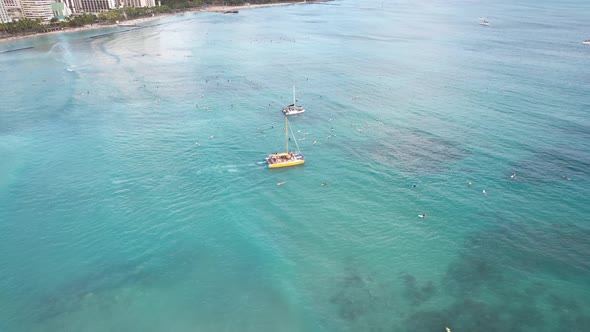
{"points": [[293, 108]]}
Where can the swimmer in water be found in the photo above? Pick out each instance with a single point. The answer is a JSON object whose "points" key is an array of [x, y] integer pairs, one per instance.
{"points": [[484, 192], [324, 184], [314, 143], [565, 177], [422, 215], [198, 144], [414, 186], [281, 183], [469, 183], [513, 175]]}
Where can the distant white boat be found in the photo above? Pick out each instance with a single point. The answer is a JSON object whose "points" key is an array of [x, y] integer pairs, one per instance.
{"points": [[484, 21], [586, 42], [293, 108]]}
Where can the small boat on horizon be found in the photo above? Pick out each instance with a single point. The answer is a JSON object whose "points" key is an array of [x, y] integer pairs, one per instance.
{"points": [[287, 158], [293, 108], [484, 22], [586, 42]]}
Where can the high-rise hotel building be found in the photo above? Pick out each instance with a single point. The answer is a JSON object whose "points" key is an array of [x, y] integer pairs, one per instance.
{"points": [[13, 8], [4, 18], [138, 3], [96, 6], [74, 6], [34, 9]]}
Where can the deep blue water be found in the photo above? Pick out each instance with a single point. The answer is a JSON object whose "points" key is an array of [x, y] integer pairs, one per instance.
{"points": [[113, 219]]}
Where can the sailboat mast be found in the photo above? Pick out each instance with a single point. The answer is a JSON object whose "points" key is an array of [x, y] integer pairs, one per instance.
{"points": [[294, 97], [286, 135]]}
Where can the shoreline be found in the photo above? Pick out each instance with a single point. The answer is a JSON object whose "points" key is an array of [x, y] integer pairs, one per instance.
{"points": [[208, 9], [221, 9]]}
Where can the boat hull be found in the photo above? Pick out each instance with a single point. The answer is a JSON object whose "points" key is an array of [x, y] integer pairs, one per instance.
{"points": [[288, 160], [286, 164], [293, 112]]}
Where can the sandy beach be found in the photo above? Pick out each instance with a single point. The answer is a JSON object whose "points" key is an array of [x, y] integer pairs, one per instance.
{"points": [[215, 9], [226, 8]]}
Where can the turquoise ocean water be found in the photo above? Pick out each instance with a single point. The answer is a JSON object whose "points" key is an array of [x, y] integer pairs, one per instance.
{"points": [[112, 218]]}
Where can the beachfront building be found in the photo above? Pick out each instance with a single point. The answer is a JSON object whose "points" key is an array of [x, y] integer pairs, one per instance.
{"points": [[71, 6], [4, 18], [13, 8], [97, 6], [138, 3], [34, 9], [60, 10]]}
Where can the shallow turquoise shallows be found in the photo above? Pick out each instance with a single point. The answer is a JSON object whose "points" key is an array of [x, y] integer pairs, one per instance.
{"points": [[132, 197]]}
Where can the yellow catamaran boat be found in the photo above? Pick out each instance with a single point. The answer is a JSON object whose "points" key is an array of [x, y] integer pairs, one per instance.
{"points": [[286, 159]]}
